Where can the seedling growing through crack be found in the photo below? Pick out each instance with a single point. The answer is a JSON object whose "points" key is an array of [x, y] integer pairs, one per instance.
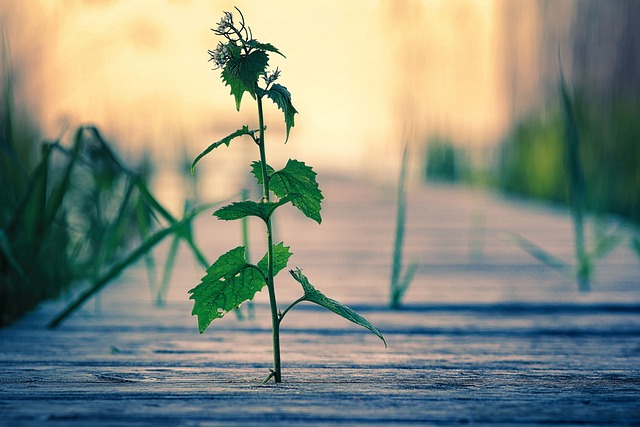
{"points": [[232, 279]]}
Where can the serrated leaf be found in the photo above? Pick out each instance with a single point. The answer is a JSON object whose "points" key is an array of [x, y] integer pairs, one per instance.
{"points": [[246, 208], [298, 178], [229, 282], [226, 141], [232, 280], [311, 294], [282, 98], [255, 44], [256, 170], [281, 255], [241, 74]]}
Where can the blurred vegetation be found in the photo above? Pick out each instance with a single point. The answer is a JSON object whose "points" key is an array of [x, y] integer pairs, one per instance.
{"points": [[71, 213], [533, 158], [401, 276], [442, 161], [65, 212], [32, 229], [446, 162], [603, 241]]}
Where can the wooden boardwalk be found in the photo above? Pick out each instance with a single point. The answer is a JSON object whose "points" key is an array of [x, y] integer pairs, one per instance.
{"points": [[488, 335]]}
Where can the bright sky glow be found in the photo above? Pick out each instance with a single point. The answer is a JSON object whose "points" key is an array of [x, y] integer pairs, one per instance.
{"points": [[358, 70]]}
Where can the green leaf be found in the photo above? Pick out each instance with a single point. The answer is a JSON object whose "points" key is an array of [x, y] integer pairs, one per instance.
{"points": [[255, 44], [118, 267], [606, 244], [313, 295], [539, 253], [296, 180], [300, 179], [226, 141], [282, 98], [256, 170], [230, 281], [242, 74], [246, 208], [281, 255]]}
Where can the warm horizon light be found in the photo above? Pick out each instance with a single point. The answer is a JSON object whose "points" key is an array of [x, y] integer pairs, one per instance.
{"points": [[360, 72]]}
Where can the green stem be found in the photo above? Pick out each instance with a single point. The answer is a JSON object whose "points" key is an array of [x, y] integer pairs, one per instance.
{"points": [[396, 288], [275, 321], [299, 300], [576, 187], [247, 253]]}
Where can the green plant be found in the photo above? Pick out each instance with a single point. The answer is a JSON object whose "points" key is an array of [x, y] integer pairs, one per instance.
{"points": [[78, 208], [102, 252], [577, 192], [604, 241], [232, 279], [400, 282]]}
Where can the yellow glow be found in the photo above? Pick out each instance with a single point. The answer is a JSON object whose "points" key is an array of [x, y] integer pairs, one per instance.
{"points": [[358, 71]]}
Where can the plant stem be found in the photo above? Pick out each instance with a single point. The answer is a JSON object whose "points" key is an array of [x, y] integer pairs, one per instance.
{"points": [[286, 310], [247, 253], [576, 187], [275, 321], [396, 287]]}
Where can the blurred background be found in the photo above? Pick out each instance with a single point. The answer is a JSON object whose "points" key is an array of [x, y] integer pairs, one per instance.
{"points": [[471, 85]]}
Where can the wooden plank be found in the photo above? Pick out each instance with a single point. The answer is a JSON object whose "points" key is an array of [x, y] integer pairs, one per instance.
{"points": [[500, 340]]}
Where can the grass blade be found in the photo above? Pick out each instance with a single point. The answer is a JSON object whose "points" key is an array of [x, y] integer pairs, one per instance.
{"points": [[576, 186], [116, 269], [539, 253]]}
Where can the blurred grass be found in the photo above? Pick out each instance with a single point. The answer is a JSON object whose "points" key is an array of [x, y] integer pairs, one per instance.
{"points": [[72, 214], [584, 154], [581, 151], [533, 158], [32, 267], [401, 277]]}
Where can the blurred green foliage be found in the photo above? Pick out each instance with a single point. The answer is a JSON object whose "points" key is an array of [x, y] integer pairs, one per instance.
{"points": [[32, 266], [446, 162], [65, 216], [71, 213], [532, 159], [442, 161]]}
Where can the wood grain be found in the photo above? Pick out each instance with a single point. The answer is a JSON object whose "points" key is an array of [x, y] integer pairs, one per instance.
{"points": [[487, 336]]}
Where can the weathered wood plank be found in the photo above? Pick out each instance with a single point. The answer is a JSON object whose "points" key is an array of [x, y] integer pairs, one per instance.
{"points": [[491, 340]]}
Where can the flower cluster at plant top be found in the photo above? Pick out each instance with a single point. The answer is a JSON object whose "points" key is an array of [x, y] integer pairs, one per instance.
{"points": [[220, 55], [227, 29]]}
